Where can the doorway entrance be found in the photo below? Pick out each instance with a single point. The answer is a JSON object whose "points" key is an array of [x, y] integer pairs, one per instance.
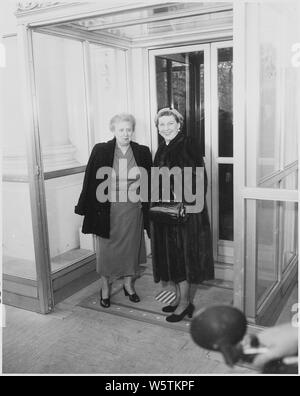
{"points": [[198, 81], [82, 64]]}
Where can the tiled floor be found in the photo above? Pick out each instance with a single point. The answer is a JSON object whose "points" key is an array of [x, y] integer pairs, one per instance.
{"points": [[80, 337]]}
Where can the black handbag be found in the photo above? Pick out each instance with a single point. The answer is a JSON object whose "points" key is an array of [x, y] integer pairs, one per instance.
{"points": [[168, 212]]}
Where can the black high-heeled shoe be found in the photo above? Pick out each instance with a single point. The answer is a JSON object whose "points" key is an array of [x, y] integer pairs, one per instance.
{"points": [[132, 297], [104, 302], [170, 308], [177, 318]]}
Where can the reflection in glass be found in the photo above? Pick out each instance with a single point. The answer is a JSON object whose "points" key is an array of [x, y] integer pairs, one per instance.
{"points": [[226, 202], [180, 85], [171, 82], [67, 244], [60, 85], [291, 115], [14, 142], [18, 246], [269, 128], [290, 182], [273, 251], [162, 83], [289, 232], [267, 247], [278, 104], [109, 89], [133, 17], [225, 96], [139, 26]]}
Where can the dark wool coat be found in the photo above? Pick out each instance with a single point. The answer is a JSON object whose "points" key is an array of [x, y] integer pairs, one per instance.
{"points": [[182, 252], [97, 214]]}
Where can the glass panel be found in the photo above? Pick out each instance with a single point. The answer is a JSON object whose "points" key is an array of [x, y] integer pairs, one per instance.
{"points": [[290, 182], [277, 242], [18, 246], [136, 24], [226, 202], [14, 143], [169, 27], [291, 114], [196, 120], [60, 85], [289, 233], [268, 155], [109, 89], [225, 86], [171, 72], [162, 83], [18, 256], [276, 26], [180, 85], [289, 223], [267, 247], [67, 244], [136, 15]]}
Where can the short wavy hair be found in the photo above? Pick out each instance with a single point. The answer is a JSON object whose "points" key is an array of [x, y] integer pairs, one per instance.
{"points": [[169, 112], [122, 117]]}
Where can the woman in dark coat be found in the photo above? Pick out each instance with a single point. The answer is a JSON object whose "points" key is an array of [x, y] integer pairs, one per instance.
{"points": [[118, 223], [181, 253]]}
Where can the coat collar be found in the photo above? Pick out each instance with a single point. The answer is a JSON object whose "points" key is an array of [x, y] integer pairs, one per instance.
{"points": [[136, 153], [111, 145], [177, 140], [165, 150]]}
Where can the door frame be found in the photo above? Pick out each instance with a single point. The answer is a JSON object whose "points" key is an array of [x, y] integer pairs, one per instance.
{"points": [[44, 300], [152, 53], [219, 245]]}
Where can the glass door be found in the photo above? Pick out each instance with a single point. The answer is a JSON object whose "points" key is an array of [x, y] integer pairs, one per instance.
{"points": [[21, 277], [26, 272]]}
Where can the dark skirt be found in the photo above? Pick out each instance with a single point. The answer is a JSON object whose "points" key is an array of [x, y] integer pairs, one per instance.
{"points": [[122, 254], [183, 252]]}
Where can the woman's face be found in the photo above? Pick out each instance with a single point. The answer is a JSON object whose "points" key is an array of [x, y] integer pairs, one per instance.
{"points": [[123, 133], [168, 127]]}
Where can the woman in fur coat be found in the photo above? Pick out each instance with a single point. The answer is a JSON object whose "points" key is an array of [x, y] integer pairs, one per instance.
{"points": [[182, 253]]}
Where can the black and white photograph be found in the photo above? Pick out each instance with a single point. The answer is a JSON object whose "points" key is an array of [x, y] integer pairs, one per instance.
{"points": [[149, 193]]}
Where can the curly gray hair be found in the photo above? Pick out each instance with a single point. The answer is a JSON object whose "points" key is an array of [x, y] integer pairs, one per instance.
{"points": [[122, 117]]}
